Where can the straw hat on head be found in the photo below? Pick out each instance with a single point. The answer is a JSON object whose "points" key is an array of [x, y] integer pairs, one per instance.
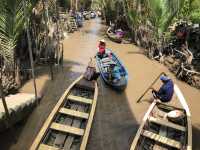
{"points": [[102, 40]]}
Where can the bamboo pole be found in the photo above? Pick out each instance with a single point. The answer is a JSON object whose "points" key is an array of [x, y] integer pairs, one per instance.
{"points": [[139, 99], [46, 28], [30, 50], [77, 5], [71, 3]]}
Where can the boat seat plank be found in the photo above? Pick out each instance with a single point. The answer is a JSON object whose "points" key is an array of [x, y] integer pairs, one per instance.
{"points": [[80, 99], [67, 129], [47, 147], [166, 123], [74, 113], [77, 124], [162, 139], [89, 85], [60, 138]]}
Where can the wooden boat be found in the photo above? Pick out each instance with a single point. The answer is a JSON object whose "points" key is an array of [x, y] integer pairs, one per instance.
{"points": [[68, 125], [113, 37], [160, 131], [103, 66]]}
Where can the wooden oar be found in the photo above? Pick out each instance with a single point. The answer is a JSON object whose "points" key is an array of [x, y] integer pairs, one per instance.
{"points": [[150, 86]]}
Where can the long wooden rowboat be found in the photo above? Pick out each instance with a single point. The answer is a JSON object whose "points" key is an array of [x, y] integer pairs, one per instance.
{"points": [[68, 125], [158, 131]]}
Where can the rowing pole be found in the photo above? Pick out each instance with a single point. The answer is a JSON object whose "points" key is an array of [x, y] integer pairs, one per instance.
{"points": [[150, 86]]}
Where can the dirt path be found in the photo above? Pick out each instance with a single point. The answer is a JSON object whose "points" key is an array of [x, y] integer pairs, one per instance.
{"points": [[118, 115]]}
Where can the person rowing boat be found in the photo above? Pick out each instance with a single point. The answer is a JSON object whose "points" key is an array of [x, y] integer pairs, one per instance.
{"points": [[166, 91]]}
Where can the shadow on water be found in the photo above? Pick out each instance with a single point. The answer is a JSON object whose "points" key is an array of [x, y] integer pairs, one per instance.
{"points": [[114, 125], [196, 135]]}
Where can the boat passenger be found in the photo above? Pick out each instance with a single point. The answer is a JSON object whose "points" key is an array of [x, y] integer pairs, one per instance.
{"points": [[101, 48], [165, 93]]}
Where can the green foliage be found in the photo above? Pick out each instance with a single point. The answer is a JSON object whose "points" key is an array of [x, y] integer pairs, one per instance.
{"points": [[64, 3], [195, 16], [12, 24]]}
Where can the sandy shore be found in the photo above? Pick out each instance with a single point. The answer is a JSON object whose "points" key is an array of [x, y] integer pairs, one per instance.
{"points": [[118, 115]]}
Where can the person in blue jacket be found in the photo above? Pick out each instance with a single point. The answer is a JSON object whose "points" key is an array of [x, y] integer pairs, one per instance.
{"points": [[166, 91]]}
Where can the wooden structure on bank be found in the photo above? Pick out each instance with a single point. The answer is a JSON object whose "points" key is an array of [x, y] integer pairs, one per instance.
{"points": [[160, 132], [68, 125]]}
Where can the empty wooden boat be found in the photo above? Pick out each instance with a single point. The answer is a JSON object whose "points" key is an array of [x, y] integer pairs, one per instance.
{"points": [[68, 125], [165, 127]]}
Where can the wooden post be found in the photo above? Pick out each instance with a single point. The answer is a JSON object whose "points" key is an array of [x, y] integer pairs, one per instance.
{"points": [[2, 93], [71, 3], [77, 5], [30, 50], [46, 28]]}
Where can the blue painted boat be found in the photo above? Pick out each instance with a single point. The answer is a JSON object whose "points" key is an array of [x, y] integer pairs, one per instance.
{"points": [[104, 65]]}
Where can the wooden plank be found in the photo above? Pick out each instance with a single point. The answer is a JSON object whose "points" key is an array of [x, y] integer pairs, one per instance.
{"points": [[67, 129], [51, 116], [80, 99], [46, 147], [89, 123], [138, 134], [162, 139], [167, 123], [85, 84], [74, 113], [60, 138], [77, 124], [162, 132]]}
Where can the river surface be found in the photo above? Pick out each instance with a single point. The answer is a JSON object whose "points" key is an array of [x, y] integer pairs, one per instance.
{"points": [[117, 115]]}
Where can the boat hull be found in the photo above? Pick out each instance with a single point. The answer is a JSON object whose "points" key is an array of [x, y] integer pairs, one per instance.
{"points": [[70, 121], [160, 129], [122, 83], [113, 37]]}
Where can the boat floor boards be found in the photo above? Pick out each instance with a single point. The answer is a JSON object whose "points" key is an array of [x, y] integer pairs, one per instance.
{"points": [[69, 123]]}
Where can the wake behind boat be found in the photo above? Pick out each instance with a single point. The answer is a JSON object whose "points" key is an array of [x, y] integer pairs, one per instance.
{"points": [[165, 127], [106, 70], [68, 125]]}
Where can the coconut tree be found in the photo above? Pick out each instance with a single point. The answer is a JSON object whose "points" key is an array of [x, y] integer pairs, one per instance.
{"points": [[12, 25]]}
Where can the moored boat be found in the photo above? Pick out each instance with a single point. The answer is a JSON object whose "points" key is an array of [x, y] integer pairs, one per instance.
{"points": [[113, 36], [165, 127], [68, 125], [104, 65]]}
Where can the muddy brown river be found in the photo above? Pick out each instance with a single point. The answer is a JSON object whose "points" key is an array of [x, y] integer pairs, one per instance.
{"points": [[117, 115]]}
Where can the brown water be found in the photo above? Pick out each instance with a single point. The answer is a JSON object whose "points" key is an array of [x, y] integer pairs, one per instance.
{"points": [[117, 115]]}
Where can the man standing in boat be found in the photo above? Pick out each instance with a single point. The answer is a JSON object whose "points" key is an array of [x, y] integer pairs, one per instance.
{"points": [[166, 91]]}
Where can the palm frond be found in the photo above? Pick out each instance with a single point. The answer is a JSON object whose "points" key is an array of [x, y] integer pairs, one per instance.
{"points": [[12, 24]]}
